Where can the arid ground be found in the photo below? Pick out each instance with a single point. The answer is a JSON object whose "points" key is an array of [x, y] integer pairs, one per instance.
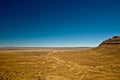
{"points": [[52, 64]]}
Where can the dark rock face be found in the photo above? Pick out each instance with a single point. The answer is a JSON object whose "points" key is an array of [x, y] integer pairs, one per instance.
{"points": [[115, 40]]}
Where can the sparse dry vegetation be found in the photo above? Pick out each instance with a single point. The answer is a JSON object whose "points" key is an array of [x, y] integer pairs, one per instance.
{"points": [[101, 63], [58, 65]]}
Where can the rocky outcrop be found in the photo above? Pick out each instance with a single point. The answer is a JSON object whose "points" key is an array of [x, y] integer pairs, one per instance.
{"points": [[111, 45], [115, 40]]}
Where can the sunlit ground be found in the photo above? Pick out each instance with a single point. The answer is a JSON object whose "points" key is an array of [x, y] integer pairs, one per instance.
{"points": [[59, 65]]}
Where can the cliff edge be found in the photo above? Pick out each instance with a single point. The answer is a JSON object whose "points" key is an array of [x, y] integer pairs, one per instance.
{"points": [[111, 45]]}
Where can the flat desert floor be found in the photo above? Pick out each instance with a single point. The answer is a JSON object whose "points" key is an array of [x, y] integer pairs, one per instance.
{"points": [[53, 64]]}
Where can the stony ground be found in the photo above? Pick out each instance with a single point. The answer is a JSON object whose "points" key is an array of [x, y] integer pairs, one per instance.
{"points": [[59, 65]]}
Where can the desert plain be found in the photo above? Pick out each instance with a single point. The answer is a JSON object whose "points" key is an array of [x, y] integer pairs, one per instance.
{"points": [[100, 63]]}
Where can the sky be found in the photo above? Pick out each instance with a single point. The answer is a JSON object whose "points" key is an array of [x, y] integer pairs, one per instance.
{"points": [[58, 23]]}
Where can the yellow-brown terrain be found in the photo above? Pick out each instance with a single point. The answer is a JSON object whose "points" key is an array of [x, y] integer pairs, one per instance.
{"points": [[100, 63]]}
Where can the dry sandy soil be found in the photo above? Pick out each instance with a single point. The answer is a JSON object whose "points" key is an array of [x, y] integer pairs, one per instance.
{"points": [[91, 64]]}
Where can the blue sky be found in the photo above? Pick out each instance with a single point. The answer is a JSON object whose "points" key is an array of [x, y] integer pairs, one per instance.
{"points": [[58, 23]]}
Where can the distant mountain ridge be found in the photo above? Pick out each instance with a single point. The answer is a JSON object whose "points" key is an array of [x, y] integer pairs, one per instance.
{"points": [[45, 48]]}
